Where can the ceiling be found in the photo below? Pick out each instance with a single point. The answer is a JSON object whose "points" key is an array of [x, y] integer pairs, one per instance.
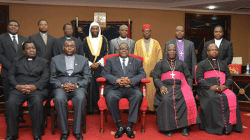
{"points": [[223, 6]]}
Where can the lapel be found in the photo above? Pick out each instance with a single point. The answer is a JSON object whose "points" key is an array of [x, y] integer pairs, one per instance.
{"points": [[77, 65], [63, 64], [130, 62], [48, 39], [174, 42], [34, 64], [25, 63], [39, 37], [186, 52], [119, 66], [9, 41]]}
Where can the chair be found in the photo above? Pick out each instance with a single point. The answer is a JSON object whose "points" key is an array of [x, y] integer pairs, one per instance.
{"points": [[54, 121], [26, 112], [123, 103]]}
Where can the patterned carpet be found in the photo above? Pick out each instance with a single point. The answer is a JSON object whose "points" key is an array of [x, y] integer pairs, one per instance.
{"points": [[152, 133]]}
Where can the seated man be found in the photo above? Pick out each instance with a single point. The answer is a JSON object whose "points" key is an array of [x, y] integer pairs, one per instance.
{"points": [[29, 77], [70, 75], [124, 75], [219, 107], [174, 101]]}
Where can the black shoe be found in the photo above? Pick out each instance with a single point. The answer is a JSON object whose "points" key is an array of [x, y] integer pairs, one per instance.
{"points": [[169, 133], [64, 137], [21, 120], [130, 132], [11, 138], [119, 132], [185, 132], [37, 138], [78, 136]]}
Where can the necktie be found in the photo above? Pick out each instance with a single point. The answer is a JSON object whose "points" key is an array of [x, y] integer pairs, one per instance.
{"points": [[44, 39], [15, 43], [123, 66]]}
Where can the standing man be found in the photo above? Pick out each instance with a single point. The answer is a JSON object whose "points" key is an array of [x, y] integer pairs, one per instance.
{"points": [[10, 48], [225, 47], [59, 43], [220, 112], [123, 74], [185, 49], [174, 100], [95, 48], [44, 48], [43, 41], [150, 50], [28, 78], [70, 75], [115, 43]]}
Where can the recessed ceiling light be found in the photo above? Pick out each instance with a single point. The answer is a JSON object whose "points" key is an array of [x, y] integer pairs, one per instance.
{"points": [[211, 7]]}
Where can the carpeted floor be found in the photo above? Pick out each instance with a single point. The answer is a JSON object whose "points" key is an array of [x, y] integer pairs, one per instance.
{"points": [[152, 133]]}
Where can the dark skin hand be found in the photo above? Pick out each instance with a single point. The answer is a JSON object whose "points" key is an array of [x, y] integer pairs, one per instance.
{"points": [[26, 89], [151, 73], [217, 88], [123, 81], [94, 66], [164, 90], [69, 87]]}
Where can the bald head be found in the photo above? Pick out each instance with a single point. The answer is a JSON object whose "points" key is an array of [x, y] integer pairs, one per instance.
{"points": [[171, 51]]}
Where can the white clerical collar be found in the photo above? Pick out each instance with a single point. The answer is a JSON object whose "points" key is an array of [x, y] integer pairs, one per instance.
{"points": [[68, 37], [123, 38], [30, 59], [214, 59]]}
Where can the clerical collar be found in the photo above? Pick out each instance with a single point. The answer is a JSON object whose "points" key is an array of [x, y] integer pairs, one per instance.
{"points": [[43, 34], [30, 59], [68, 37], [123, 38], [179, 39], [213, 59], [171, 59]]}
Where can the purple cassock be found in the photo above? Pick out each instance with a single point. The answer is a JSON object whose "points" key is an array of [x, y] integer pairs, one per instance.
{"points": [[180, 46]]}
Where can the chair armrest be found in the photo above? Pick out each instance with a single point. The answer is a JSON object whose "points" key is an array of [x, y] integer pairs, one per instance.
{"points": [[143, 86], [102, 82]]}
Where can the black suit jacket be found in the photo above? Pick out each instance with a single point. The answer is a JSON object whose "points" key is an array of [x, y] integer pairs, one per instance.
{"points": [[225, 51], [21, 74], [8, 51], [58, 46], [113, 70], [81, 74], [42, 50], [189, 54]]}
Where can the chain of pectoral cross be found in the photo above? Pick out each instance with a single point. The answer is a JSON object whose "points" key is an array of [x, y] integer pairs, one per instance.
{"points": [[172, 69]]}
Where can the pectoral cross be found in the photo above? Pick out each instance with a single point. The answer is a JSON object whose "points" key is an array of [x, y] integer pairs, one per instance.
{"points": [[172, 75], [181, 53]]}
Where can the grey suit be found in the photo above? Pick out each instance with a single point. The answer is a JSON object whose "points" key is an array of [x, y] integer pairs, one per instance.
{"points": [[59, 43], [43, 50], [114, 45], [113, 92], [189, 54], [81, 76], [7, 55], [225, 51]]}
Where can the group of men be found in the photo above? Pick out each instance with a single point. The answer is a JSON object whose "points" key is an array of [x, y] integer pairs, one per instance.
{"points": [[66, 68]]}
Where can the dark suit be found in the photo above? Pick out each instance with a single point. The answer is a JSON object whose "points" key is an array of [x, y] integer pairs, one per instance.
{"points": [[225, 51], [43, 50], [59, 43], [21, 73], [81, 75], [189, 54], [113, 92], [7, 55]]}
